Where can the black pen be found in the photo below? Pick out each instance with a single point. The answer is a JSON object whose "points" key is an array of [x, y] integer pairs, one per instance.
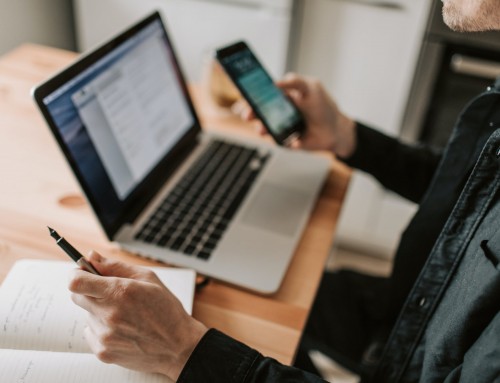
{"points": [[72, 252]]}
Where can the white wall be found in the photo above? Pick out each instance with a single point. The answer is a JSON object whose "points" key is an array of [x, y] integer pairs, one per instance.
{"points": [[48, 22], [365, 52]]}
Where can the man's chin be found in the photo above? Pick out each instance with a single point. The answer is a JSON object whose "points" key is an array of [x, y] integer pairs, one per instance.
{"points": [[454, 24], [459, 22]]}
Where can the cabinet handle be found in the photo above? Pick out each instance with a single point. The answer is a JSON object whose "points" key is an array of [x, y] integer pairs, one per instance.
{"points": [[389, 4], [475, 67]]}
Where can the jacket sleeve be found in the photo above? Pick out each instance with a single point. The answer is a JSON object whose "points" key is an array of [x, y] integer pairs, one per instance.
{"points": [[219, 358], [404, 169]]}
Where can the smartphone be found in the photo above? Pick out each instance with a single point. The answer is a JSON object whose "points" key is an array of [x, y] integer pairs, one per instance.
{"points": [[277, 112]]}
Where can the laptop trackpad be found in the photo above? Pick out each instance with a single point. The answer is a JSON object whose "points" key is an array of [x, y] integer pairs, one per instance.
{"points": [[276, 208]]}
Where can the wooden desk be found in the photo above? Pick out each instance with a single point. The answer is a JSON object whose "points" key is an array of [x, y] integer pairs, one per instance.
{"points": [[38, 189]]}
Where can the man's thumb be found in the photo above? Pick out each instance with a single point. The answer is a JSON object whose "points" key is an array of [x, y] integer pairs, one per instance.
{"points": [[109, 267]]}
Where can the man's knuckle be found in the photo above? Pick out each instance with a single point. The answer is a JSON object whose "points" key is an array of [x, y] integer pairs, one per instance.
{"points": [[149, 274], [114, 318], [105, 355], [315, 83], [118, 291], [128, 291], [75, 284], [107, 337]]}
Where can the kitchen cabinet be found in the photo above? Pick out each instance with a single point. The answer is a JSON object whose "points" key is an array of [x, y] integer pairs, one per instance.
{"points": [[197, 27], [365, 52], [42, 22]]}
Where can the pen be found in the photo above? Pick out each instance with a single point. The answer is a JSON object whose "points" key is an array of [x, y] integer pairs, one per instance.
{"points": [[72, 252]]}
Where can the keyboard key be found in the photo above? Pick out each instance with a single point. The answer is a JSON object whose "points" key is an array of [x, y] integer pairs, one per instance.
{"points": [[203, 255]]}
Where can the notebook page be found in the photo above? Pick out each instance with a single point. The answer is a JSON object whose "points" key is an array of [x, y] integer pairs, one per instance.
{"points": [[36, 311], [23, 366], [181, 282]]}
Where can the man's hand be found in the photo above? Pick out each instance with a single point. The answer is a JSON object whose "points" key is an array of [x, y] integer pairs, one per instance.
{"points": [[134, 321], [327, 128]]}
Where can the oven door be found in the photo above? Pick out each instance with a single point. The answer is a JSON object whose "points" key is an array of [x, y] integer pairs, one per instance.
{"points": [[463, 76], [448, 77]]}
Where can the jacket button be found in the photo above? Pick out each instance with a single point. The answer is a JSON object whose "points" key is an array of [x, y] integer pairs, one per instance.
{"points": [[421, 301]]}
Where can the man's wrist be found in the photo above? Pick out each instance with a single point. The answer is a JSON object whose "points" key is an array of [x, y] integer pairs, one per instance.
{"points": [[346, 142], [189, 342]]}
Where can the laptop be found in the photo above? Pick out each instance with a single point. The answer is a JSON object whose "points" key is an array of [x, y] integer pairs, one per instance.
{"points": [[163, 188]]}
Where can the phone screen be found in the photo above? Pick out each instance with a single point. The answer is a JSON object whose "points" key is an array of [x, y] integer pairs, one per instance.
{"points": [[269, 102]]}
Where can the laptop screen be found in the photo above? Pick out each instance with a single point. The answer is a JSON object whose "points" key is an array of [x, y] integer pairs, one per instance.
{"points": [[119, 115]]}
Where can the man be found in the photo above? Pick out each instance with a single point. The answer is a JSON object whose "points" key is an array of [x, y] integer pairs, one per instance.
{"points": [[446, 269]]}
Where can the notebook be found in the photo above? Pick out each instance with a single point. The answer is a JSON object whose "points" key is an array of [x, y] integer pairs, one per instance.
{"points": [[163, 188], [42, 329]]}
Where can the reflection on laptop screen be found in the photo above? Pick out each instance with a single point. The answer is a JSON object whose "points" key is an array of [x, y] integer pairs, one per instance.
{"points": [[120, 116]]}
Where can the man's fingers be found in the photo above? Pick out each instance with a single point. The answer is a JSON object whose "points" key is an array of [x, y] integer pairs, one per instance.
{"points": [[243, 110], [86, 303], [110, 267], [97, 347], [296, 144], [248, 114], [259, 127], [291, 81], [91, 285]]}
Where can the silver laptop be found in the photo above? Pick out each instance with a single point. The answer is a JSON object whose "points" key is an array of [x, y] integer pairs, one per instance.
{"points": [[161, 187]]}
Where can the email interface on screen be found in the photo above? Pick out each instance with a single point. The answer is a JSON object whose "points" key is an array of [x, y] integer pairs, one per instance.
{"points": [[278, 112], [122, 115]]}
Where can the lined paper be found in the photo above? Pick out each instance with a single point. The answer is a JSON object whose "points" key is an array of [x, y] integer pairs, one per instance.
{"points": [[36, 311], [48, 367]]}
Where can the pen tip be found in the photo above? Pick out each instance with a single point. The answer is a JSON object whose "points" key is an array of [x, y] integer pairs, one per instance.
{"points": [[52, 232]]}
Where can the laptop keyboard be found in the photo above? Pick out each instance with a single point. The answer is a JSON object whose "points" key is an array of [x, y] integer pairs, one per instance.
{"points": [[194, 216]]}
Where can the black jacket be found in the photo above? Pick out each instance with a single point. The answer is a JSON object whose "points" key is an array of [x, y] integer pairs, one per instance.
{"points": [[446, 277]]}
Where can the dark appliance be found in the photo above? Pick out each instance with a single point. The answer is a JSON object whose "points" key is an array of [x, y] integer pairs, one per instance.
{"points": [[452, 68]]}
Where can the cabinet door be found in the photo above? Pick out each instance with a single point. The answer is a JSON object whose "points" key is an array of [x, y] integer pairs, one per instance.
{"points": [[196, 27], [40, 22], [365, 52]]}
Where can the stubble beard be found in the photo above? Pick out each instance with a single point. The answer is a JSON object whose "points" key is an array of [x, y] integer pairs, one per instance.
{"points": [[485, 17]]}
